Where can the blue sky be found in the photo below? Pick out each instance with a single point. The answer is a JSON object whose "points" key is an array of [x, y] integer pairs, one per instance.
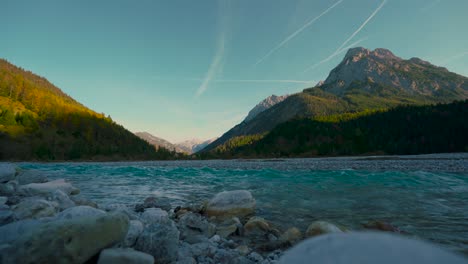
{"points": [[193, 69]]}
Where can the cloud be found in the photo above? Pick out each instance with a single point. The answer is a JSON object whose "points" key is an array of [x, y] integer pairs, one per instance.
{"points": [[295, 33], [333, 55], [455, 57], [429, 6], [216, 65]]}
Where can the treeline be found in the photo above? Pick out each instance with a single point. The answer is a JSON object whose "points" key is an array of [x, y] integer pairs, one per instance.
{"points": [[402, 130], [39, 122]]}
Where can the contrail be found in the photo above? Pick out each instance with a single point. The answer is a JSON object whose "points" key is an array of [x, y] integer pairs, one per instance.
{"points": [[216, 64], [333, 55], [306, 25], [263, 81], [363, 25]]}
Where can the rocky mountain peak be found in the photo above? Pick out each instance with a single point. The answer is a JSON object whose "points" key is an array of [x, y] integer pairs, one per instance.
{"points": [[264, 105]]}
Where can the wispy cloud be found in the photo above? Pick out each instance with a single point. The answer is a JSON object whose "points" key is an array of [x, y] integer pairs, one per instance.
{"points": [[264, 81], [429, 5], [216, 65], [454, 58], [295, 33], [342, 47], [333, 55]]}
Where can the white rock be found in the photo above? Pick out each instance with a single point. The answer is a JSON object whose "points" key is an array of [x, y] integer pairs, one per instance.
{"points": [[48, 187], [79, 212], [160, 240], [134, 231], [7, 172], [34, 207], [367, 248], [238, 203], [154, 215], [320, 228], [62, 200], [124, 256]]}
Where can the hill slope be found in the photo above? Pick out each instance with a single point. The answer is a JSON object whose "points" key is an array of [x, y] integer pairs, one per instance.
{"points": [[40, 122], [363, 80]]}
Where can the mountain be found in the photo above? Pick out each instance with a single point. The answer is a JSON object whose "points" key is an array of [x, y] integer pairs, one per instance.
{"points": [[194, 145], [159, 142], [364, 80], [403, 130], [40, 122], [264, 105]]}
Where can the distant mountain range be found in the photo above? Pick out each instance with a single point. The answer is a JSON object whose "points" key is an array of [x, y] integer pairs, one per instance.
{"points": [[364, 80], [188, 146], [40, 122]]}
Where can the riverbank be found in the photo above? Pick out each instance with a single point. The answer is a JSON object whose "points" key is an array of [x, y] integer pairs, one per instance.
{"points": [[39, 215]]}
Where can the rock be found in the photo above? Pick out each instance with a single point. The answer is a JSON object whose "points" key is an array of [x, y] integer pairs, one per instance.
{"points": [[243, 250], [3, 200], [154, 215], [67, 241], [62, 200], [12, 231], [203, 249], [160, 240], [9, 188], [80, 200], [232, 203], [154, 202], [6, 216], [292, 235], [188, 260], [256, 226], [31, 176], [382, 226], [7, 172], [229, 227], [366, 248], [255, 257], [320, 228], [78, 212], [34, 207], [226, 257], [47, 188], [193, 224], [134, 231], [121, 208], [215, 239], [124, 256]]}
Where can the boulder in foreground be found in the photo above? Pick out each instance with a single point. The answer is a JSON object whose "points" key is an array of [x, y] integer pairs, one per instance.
{"points": [[238, 203], [124, 256]]}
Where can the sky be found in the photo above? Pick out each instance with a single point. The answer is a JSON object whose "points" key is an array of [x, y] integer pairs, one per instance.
{"points": [[183, 69]]}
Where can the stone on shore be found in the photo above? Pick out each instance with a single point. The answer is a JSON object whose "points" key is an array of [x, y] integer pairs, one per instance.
{"points": [[8, 188], [256, 226], [31, 176], [34, 207], [320, 228], [367, 248], [154, 215], [161, 240], [7, 172], [78, 212], [47, 188], [193, 224], [134, 231], [124, 256], [80, 200], [238, 203], [67, 241], [154, 202], [292, 235], [381, 226], [229, 227], [63, 201]]}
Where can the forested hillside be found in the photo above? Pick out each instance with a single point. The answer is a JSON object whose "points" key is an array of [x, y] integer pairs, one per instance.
{"points": [[40, 122]]}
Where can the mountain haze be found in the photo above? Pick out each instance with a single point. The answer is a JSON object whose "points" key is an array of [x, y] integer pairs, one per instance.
{"points": [[364, 80]]}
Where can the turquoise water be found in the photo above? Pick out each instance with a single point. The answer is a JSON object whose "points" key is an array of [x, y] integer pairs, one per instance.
{"points": [[429, 205]]}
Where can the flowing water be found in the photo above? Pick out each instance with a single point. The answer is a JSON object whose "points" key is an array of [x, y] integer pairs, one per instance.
{"points": [[429, 203]]}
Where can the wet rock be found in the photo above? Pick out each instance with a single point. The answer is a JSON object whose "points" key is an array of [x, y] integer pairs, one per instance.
{"points": [[78, 212], [31, 176], [67, 241], [292, 235], [47, 188], [63, 201], [232, 203], [134, 230], [124, 256], [120, 208], [229, 227], [255, 257], [80, 200], [160, 240], [34, 207], [367, 248], [154, 215], [8, 188], [381, 226], [320, 228], [7, 172], [193, 224], [256, 226], [154, 202]]}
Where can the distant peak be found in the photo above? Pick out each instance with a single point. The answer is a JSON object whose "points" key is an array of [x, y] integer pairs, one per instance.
{"points": [[358, 51]]}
